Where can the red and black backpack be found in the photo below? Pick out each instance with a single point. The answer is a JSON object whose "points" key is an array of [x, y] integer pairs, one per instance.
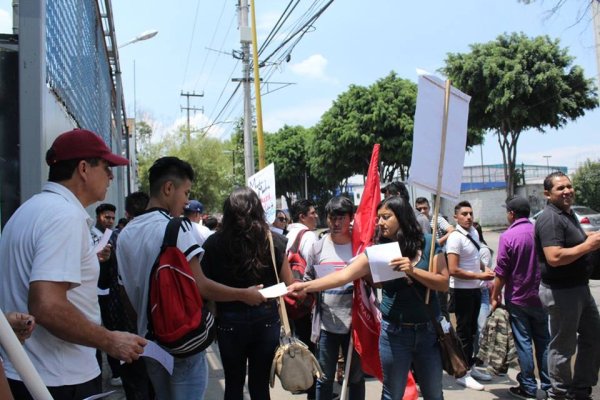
{"points": [[177, 320]]}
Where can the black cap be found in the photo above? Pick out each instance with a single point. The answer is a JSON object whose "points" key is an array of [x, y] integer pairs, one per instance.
{"points": [[519, 205]]}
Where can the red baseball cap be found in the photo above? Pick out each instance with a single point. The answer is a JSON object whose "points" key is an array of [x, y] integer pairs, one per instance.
{"points": [[81, 144]]}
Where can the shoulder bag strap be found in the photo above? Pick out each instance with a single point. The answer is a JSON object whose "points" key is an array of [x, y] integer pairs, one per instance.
{"points": [[472, 240], [282, 311]]}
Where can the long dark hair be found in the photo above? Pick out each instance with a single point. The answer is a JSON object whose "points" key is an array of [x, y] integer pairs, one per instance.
{"points": [[245, 231], [410, 236]]}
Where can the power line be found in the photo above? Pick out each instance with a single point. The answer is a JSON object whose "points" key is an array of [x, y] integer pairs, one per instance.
{"points": [[187, 59]]}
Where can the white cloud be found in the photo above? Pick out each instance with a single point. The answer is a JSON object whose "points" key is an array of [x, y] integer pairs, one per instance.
{"points": [[313, 68], [198, 121], [5, 21], [306, 115]]}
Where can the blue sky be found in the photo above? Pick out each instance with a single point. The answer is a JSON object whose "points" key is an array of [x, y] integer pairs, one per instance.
{"points": [[353, 42]]}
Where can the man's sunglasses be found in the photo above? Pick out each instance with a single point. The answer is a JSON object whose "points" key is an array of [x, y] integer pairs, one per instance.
{"points": [[422, 208], [282, 219]]}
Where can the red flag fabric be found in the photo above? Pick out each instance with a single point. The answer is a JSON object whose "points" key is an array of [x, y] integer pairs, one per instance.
{"points": [[365, 314], [366, 317]]}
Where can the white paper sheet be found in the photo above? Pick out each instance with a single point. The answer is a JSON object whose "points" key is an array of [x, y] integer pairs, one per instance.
{"points": [[379, 259], [274, 291], [100, 395], [156, 352], [103, 241]]}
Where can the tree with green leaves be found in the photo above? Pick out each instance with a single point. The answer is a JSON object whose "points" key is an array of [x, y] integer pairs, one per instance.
{"points": [[211, 164], [288, 150], [360, 117], [143, 136], [517, 83], [586, 182]]}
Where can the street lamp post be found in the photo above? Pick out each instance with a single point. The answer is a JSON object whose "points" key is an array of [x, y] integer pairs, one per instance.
{"points": [[143, 36]]}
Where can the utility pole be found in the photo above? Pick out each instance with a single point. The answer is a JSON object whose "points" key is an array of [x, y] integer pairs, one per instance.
{"points": [[188, 109], [245, 39], [596, 18]]}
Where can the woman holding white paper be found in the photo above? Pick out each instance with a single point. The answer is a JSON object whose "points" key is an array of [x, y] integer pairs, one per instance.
{"points": [[407, 334], [238, 255]]}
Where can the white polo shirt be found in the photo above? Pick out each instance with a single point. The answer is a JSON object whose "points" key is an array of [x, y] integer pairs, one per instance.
{"points": [[468, 256], [138, 246], [48, 239]]}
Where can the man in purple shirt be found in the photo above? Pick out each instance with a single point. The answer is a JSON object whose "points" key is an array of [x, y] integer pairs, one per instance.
{"points": [[517, 271]]}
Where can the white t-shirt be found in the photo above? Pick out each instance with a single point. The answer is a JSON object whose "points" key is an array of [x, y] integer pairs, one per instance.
{"points": [[48, 239], [203, 232], [468, 256], [138, 245], [307, 241]]}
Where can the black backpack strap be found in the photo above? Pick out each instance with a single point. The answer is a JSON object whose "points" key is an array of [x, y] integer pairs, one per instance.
{"points": [[171, 232]]}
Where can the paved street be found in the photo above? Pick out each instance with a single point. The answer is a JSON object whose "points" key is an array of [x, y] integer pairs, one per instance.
{"points": [[497, 389]]}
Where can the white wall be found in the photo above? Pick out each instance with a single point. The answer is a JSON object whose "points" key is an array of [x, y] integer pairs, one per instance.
{"points": [[487, 204]]}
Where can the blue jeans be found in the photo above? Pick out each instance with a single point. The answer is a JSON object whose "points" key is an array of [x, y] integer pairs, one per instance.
{"points": [[248, 338], [530, 326], [329, 349], [189, 379], [399, 346]]}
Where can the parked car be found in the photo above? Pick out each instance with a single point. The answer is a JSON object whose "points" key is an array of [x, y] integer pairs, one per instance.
{"points": [[588, 218]]}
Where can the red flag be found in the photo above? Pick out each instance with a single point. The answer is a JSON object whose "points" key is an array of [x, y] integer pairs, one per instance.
{"points": [[366, 317], [365, 314]]}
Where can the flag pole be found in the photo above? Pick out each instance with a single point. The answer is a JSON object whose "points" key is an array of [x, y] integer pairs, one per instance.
{"points": [[347, 365], [438, 191], [21, 361]]}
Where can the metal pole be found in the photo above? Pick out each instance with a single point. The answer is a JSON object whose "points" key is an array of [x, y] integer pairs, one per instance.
{"points": [[596, 16], [259, 126], [245, 39], [32, 89]]}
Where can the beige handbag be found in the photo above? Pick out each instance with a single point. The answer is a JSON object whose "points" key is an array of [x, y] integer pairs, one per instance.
{"points": [[293, 362]]}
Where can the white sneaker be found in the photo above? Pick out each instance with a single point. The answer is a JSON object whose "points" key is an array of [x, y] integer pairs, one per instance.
{"points": [[480, 375], [470, 383]]}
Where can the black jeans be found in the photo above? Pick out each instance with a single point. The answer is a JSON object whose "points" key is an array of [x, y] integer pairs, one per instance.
{"points": [[247, 340], [466, 307], [68, 392]]}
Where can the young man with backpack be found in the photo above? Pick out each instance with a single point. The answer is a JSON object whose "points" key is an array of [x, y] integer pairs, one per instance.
{"points": [[139, 244], [331, 327], [305, 220]]}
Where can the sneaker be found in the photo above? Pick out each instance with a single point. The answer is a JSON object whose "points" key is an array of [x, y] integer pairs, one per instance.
{"points": [[470, 383], [520, 393], [116, 381], [479, 375]]}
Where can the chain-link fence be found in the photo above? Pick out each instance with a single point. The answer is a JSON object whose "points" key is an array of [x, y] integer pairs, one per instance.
{"points": [[77, 63]]}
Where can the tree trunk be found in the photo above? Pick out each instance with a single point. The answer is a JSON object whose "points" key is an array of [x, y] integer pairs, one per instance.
{"points": [[508, 145]]}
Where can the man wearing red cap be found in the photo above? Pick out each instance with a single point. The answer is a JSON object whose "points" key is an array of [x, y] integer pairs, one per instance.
{"points": [[51, 269]]}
